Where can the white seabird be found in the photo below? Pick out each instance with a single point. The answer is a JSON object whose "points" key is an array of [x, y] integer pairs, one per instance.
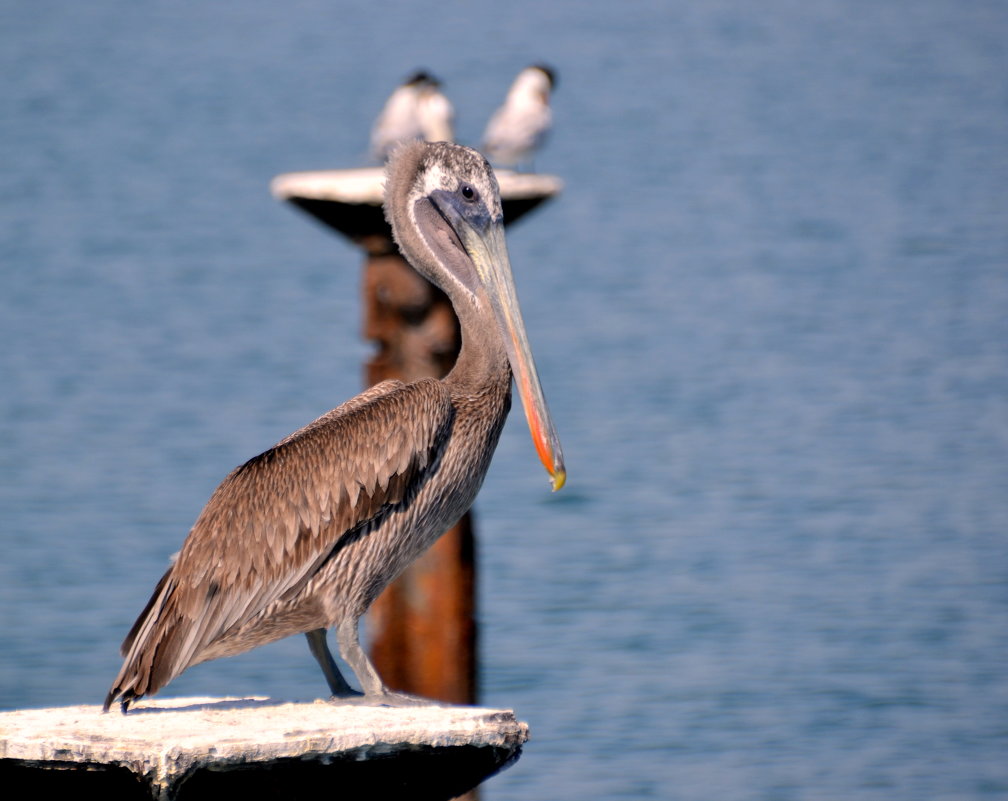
{"points": [[415, 110], [517, 129]]}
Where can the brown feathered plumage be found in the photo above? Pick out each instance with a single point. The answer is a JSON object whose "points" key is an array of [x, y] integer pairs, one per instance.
{"points": [[305, 536]]}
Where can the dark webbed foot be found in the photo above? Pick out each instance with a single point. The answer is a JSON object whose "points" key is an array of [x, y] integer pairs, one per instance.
{"points": [[388, 698], [350, 697], [397, 699]]}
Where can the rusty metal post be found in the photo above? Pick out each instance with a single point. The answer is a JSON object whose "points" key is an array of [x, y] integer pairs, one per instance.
{"points": [[423, 627]]}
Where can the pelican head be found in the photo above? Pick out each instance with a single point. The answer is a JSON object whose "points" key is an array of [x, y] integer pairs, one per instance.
{"points": [[445, 211]]}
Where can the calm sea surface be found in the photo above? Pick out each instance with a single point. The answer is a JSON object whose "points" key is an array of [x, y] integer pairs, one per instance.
{"points": [[770, 311]]}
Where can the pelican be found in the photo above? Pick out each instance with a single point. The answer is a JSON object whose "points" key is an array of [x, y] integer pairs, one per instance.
{"points": [[517, 129], [415, 110], [304, 536]]}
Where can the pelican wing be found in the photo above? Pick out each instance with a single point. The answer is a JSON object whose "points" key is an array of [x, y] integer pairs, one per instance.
{"points": [[275, 520]]}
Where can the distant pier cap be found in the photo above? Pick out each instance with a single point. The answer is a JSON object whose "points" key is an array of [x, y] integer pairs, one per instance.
{"points": [[350, 200]]}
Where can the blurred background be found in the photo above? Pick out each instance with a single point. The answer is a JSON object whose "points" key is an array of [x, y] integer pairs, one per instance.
{"points": [[770, 311]]}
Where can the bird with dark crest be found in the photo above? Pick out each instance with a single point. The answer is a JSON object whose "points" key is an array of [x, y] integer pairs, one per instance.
{"points": [[519, 127], [304, 536], [417, 109]]}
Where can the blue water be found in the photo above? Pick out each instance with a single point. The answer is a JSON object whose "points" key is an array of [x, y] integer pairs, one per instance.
{"points": [[770, 311]]}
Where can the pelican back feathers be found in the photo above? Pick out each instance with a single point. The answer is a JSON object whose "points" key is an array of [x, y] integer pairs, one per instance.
{"points": [[244, 573]]}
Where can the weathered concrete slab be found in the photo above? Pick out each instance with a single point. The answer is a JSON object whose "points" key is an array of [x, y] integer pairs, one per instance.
{"points": [[190, 748], [350, 200]]}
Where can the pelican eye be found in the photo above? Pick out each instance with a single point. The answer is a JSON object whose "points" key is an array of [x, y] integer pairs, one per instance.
{"points": [[468, 192]]}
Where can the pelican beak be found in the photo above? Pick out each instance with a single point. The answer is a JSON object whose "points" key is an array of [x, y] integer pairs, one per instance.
{"points": [[487, 248]]}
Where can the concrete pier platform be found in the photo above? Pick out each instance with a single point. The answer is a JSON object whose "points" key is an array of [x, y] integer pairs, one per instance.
{"points": [[183, 749]]}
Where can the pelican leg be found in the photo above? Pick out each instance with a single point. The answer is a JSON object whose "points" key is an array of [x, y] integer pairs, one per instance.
{"points": [[375, 690], [353, 655], [320, 650]]}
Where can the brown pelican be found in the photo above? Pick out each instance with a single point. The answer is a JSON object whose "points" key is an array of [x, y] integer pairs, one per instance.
{"points": [[517, 129], [415, 110], [304, 536]]}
